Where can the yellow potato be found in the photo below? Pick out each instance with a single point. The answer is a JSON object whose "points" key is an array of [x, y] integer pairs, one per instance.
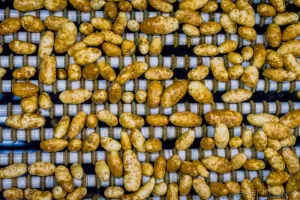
{"points": [[292, 46], [159, 25], [236, 96], [210, 28], [172, 191], [219, 189], [29, 104], [238, 161], [76, 96], [74, 72], [55, 5], [161, 5], [107, 117], [91, 121], [120, 23], [234, 58], [129, 120], [173, 163], [276, 130], [185, 119], [46, 44], [247, 53], [185, 184], [34, 194], [293, 182], [110, 144], [205, 50], [235, 72], [250, 76], [127, 97], [292, 64], [81, 5], [247, 189], [285, 18], [131, 71], [24, 72], [173, 93], [242, 17], [25, 121], [202, 171], [275, 59], [210, 7], [155, 46], [13, 170], [261, 118], [260, 140], [115, 93], [132, 171], [101, 23], [24, 89], [143, 192], [160, 189], [274, 144], [128, 47], [276, 190], [20, 47], [10, 25], [143, 45], [233, 187], [29, 5], [273, 35], [198, 73], [102, 170], [13, 194], [53, 144], [111, 50], [259, 186], [137, 140], [279, 5], [294, 195], [141, 96], [266, 10], [133, 25], [77, 194], [279, 75], [277, 178], [76, 47], [254, 164], [91, 143], [41, 169], [217, 164], [275, 159], [115, 164], [189, 17], [247, 33], [64, 178], [291, 32], [184, 141], [124, 6], [77, 124], [106, 71], [221, 135], [87, 55], [125, 141], [200, 92], [228, 117], [62, 127], [76, 171], [157, 120], [111, 37], [155, 90], [228, 46], [54, 23], [192, 4], [259, 55], [228, 24], [218, 69], [158, 73], [65, 38], [190, 30], [189, 168], [47, 74], [291, 160], [86, 28], [32, 24], [114, 192], [291, 119], [74, 145], [153, 145], [201, 188], [147, 169], [227, 5], [94, 39]]}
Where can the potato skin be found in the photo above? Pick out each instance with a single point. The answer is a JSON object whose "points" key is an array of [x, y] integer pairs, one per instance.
{"points": [[201, 188], [10, 25], [155, 90], [159, 25], [114, 192], [91, 143], [25, 121], [291, 119], [250, 76], [173, 93], [20, 47], [53, 144], [185, 119], [184, 141], [29, 5], [266, 10], [188, 17], [210, 28], [13, 194], [254, 164], [274, 35], [132, 171], [236, 96], [46, 44], [129, 120], [228, 117], [158, 73], [41, 169], [78, 193]]}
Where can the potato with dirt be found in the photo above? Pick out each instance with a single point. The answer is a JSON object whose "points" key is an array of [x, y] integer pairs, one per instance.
{"points": [[173, 93]]}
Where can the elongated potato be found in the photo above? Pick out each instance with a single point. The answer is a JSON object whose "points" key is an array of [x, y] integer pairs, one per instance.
{"points": [[192, 4], [158, 73], [291, 160], [62, 127], [159, 25], [173, 163], [292, 64], [276, 130], [115, 93], [198, 73], [64, 178], [20, 47], [291, 119], [91, 143], [76, 96], [202, 171], [185, 119], [228, 117], [13, 170], [161, 5], [221, 136], [247, 33], [111, 50], [205, 50], [200, 92], [155, 90], [227, 46], [173, 93], [260, 140], [24, 89], [275, 159], [228, 24], [65, 38], [250, 76], [129, 120], [32, 24], [247, 53], [292, 46], [77, 124], [273, 35], [238, 161], [259, 186], [160, 189], [190, 30], [128, 47], [102, 170], [13, 194], [254, 164], [114, 192], [172, 191], [184, 141], [107, 117], [259, 55], [289, 141], [81, 5], [78, 193], [143, 45], [188, 17], [53, 144], [47, 74], [76, 47], [247, 189], [132, 171], [29, 5], [277, 178], [233, 187], [153, 145], [210, 28], [54, 23], [94, 39], [218, 189], [147, 169], [24, 72], [274, 59], [201, 188], [185, 184], [157, 120], [34, 194], [236, 96], [137, 140], [266, 10], [247, 138], [101, 23], [293, 182], [10, 25], [143, 192], [87, 55], [189, 168], [217, 164], [25, 121], [115, 164], [106, 71], [41, 169], [125, 141], [218, 69], [261, 118], [46, 44], [131, 71]]}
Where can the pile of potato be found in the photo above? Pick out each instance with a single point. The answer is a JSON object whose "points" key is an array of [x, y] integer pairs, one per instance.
{"points": [[274, 136]]}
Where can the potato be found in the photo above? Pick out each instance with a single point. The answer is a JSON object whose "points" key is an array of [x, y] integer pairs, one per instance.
{"points": [[77, 194], [161, 5], [29, 104], [46, 44], [76, 96], [293, 182], [90, 72], [294, 195], [155, 90], [114, 192], [81, 5], [74, 72], [259, 186], [285, 18], [65, 38], [111, 9], [218, 189], [86, 29], [125, 141], [132, 171], [157, 120], [34, 194], [234, 58], [276, 190], [275, 59], [24, 72], [128, 47], [158, 73], [273, 35], [259, 55], [160, 167], [279, 5], [260, 140], [235, 72], [218, 69], [189, 17], [192, 4], [106, 71], [62, 74], [147, 169], [110, 144], [190, 30], [143, 45], [201, 188], [127, 97], [266, 10], [55, 5], [242, 17], [25, 121], [120, 23], [77, 124], [210, 7], [159, 25], [102, 170], [115, 164], [236, 96], [261, 118], [188, 168], [9, 26], [91, 143], [137, 140], [87, 55], [227, 46], [221, 135], [64, 178], [62, 127], [279, 75], [24, 89], [111, 50], [207, 143], [275, 159], [153, 145], [200, 92], [254, 164], [185, 184], [141, 96], [111, 37], [292, 46], [13, 194], [276, 130], [228, 117], [129, 120], [250, 76], [291, 64], [202, 171], [32, 24], [173, 93], [172, 191], [247, 189], [247, 33], [227, 5], [101, 23], [233, 187], [247, 53], [277, 178], [107, 117], [13, 170], [41, 169], [29, 5], [291, 119], [76, 47], [77, 171], [54, 23], [205, 50], [228, 24], [198, 73], [47, 74], [160, 189], [124, 6], [217, 164], [155, 46], [133, 25], [131, 71], [91, 121], [143, 192], [53, 144], [289, 141], [291, 160], [210, 28], [93, 39], [291, 32], [20, 47], [173, 163], [185, 119], [74, 145], [184, 141], [115, 93]]}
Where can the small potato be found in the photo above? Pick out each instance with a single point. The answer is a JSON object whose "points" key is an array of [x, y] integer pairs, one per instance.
{"points": [[13, 170], [161, 5], [234, 58], [293, 182], [91, 121], [111, 50], [124, 6], [86, 28], [184, 141], [247, 189], [185, 184], [185, 119], [266, 10], [13, 194], [289, 141], [102, 171], [9, 26], [277, 178], [127, 97], [228, 117], [160, 167], [155, 46], [129, 120], [47, 74], [205, 50], [259, 119], [78, 193], [247, 33], [20, 47], [159, 25], [190, 30], [153, 145], [221, 136], [192, 4], [250, 76], [276, 190], [111, 9], [218, 69], [24, 72], [25, 121], [259, 186], [242, 17], [101, 23], [147, 169], [173, 93], [76, 96], [115, 164], [77, 171], [65, 38], [227, 5], [200, 92], [106, 71], [275, 159], [46, 44], [55, 5], [111, 37], [75, 145], [235, 72], [110, 144], [201, 188], [259, 55], [237, 96], [292, 64], [155, 90], [254, 164], [74, 72], [228, 24], [137, 140], [143, 45], [157, 120], [141, 96], [295, 194], [29, 5], [133, 25], [202, 171], [227, 46], [207, 143], [87, 55], [279, 5], [188, 168], [81, 5], [120, 23], [189, 17], [91, 143], [285, 18], [274, 144], [53, 144], [172, 191], [107, 117], [273, 35], [76, 47], [54, 23], [247, 53], [125, 141], [64, 178], [233, 187], [198, 73], [77, 124], [131, 71], [128, 47], [260, 140], [29, 104], [291, 160], [218, 189], [210, 7], [158, 73], [94, 39], [275, 59], [279, 75], [132, 171], [114, 192], [24, 89], [34, 194], [41, 169], [143, 192], [291, 119], [217, 164], [32, 24], [292, 46], [160, 189], [173, 163], [114, 93], [210, 28]]}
